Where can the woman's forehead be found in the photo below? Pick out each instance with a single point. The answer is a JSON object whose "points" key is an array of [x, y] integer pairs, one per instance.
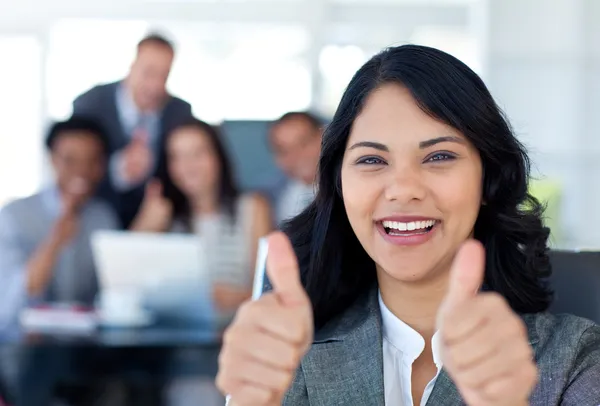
{"points": [[392, 114]]}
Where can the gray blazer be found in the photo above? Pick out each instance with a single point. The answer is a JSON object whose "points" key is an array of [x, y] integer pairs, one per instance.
{"points": [[345, 363]]}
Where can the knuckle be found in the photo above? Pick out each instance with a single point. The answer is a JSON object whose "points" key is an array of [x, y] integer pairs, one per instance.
{"points": [[521, 328], [262, 397], [246, 395], [282, 381], [293, 358], [531, 374], [527, 352], [497, 390], [297, 331], [224, 383], [221, 381], [450, 358], [224, 356], [249, 395], [229, 336], [471, 380], [246, 311]]}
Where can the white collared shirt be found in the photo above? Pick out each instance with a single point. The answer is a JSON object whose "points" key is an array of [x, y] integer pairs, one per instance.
{"points": [[295, 197], [402, 345]]}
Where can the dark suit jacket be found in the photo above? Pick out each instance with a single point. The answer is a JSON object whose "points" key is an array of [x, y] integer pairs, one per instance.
{"points": [[100, 103], [345, 363]]}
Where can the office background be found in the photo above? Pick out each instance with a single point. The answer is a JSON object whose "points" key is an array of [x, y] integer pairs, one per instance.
{"points": [[247, 62]]}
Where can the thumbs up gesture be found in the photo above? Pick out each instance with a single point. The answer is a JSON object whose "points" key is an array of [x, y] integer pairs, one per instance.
{"points": [[155, 212], [264, 345], [137, 159], [485, 348]]}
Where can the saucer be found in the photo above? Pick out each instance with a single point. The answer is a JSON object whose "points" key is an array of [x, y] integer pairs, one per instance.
{"points": [[138, 319]]}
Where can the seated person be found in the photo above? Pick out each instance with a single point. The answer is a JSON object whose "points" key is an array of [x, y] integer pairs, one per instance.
{"points": [[418, 267], [45, 253], [295, 140], [201, 197]]}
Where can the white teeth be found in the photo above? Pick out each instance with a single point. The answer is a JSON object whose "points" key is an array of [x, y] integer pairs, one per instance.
{"points": [[411, 226]]}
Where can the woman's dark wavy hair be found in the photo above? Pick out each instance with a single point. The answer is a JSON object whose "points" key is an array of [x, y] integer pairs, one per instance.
{"points": [[335, 267], [228, 190]]}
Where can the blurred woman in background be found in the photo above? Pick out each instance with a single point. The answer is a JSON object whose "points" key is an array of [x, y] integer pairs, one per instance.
{"points": [[200, 196]]}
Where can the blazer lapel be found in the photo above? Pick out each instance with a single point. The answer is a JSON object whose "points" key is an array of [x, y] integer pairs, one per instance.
{"points": [[345, 364], [119, 136], [444, 392]]}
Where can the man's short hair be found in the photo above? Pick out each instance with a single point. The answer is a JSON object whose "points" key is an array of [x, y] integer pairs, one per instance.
{"points": [[157, 39], [312, 119], [77, 124]]}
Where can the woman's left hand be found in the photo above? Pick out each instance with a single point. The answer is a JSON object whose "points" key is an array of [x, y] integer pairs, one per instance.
{"points": [[484, 344]]}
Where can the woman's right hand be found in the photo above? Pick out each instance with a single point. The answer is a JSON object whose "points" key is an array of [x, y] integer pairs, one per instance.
{"points": [[156, 210], [263, 346]]}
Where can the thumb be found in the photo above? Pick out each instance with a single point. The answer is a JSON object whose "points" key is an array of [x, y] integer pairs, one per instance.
{"points": [[283, 271], [154, 189], [140, 137], [466, 274]]}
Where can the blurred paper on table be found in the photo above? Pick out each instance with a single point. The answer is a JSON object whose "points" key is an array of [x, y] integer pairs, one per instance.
{"points": [[59, 319]]}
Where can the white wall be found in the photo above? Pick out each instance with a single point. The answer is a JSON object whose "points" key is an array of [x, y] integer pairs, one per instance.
{"points": [[542, 63]]}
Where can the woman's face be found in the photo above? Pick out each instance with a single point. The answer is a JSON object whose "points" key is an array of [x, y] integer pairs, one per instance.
{"points": [[411, 187], [192, 161]]}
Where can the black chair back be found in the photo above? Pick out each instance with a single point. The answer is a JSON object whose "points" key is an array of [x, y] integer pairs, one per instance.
{"points": [[576, 283]]}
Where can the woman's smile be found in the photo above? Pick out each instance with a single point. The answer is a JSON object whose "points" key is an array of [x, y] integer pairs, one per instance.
{"points": [[407, 230]]}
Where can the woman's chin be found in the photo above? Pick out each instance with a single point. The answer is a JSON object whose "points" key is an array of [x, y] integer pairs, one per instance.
{"points": [[191, 189], [406, 272]]}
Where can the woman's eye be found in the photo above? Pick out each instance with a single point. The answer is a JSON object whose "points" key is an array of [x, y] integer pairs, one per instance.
{"points": [[441, 156], [370, 160]]}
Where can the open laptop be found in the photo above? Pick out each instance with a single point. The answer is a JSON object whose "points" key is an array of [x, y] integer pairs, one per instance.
{"points": [[167, 270], [146, 260]]}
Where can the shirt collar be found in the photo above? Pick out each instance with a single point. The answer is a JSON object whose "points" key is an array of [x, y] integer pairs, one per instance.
{"points": [[51, 199], [126, 98], [125, 101], [53, 203], [405, 338], [129, 110]]}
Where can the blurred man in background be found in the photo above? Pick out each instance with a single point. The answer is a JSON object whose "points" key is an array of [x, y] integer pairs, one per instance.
{"points": [[46, 257], [45, 252], [137, 112], [295, 140]]}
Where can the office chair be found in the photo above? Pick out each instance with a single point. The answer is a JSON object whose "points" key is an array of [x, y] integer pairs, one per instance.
{"points": [[576, 283]]}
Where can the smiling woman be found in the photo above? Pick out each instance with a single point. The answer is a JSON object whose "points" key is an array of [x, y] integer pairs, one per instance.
{"points": [[418, 265], [400, 167]]}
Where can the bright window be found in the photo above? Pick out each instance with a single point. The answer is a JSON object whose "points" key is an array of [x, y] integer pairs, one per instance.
{"points": [[227, 71], [84, 53], [337, 65], [242, 71], [20, 101], [455, 41]]}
